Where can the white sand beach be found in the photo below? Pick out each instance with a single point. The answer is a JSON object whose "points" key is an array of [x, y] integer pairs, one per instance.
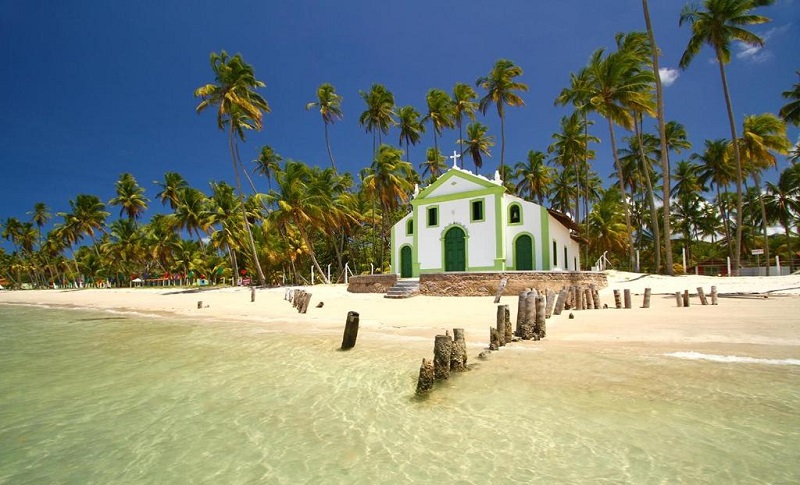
{"points": [[753, 312]]}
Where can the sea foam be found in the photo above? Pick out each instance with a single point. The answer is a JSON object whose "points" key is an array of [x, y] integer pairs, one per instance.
{"points": [[732, 359]]}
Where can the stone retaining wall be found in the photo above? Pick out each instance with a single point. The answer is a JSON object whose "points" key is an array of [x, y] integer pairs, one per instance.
{"points": [[376, 283], [486, 284]]}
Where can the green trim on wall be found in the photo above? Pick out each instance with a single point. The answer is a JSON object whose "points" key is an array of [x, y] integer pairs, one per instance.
{"points": [[456, 173], [428, 216], [521, 216], [545, 231], [483, 209], [392, 247], [458, 196], [410, 223], [500, 233], [415, 264]]}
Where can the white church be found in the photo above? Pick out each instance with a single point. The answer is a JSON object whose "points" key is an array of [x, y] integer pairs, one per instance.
{"points": [[466, 222]]}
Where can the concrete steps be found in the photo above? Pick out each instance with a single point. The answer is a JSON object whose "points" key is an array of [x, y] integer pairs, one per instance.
{"points": [[403, 289]]}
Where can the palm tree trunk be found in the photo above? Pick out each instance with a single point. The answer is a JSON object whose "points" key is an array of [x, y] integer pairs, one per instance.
{"points": [[328, 144], [234, 265], [725, 222], [311, 252], [786, 230], [624, 194], [737, 160], [651, 200], [757, 180], [502, 142], [461, 145], [245, 222]]}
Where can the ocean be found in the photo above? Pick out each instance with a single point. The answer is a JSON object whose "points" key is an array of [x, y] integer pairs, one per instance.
{"points": [[102, 398]]}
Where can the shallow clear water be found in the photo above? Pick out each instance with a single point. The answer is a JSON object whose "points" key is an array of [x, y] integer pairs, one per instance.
{"points": [[114, 398]]}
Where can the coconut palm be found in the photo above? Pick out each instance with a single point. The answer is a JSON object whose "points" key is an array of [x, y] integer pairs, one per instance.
{"points": [[268, 163], [434, 164], [463, 105], [790, 112], [379, 115], [563, 190], [607, 229], [478, 143], [716, 169], [86, 218], [718, 25], [762, 136], [171, 188], [783, 204], [571, 151], [535, 177], [687, 189], [501, 90], [192, 212], [330, 108], [441, 112], [40, 215], [411, 128], [224, 213], [130, 197], [240, 108]]}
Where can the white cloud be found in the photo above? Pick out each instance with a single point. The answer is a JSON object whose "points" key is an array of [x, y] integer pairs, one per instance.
{"points": [[668, 75], [759, 54]]}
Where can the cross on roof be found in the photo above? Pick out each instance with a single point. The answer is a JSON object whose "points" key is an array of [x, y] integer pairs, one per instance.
{"points": [[455, 157]]}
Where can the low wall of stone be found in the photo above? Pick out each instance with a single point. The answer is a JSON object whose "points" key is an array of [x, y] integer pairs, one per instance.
{"points": [[486, 284], [375, 283]]}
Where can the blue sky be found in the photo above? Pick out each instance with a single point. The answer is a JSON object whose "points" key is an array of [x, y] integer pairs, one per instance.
{"points": [[92, 89]]}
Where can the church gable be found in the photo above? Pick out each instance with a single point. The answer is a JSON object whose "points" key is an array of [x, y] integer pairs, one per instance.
{"points": [[454, 182]]}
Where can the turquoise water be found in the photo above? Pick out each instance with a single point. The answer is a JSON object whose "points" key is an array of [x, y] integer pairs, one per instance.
{"points": [[118, 398]]}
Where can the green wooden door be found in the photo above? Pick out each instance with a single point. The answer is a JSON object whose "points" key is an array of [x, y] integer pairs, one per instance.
{"points": [[455, 258], [523, 248], [405, 262]]}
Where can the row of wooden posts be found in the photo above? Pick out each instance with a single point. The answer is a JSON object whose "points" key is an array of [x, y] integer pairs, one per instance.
{"points": [[681, 299], [298, 298], [449, 355]]}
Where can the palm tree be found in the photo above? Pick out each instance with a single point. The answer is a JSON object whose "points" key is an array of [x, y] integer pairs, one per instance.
{"points": [[686, 191], [478, 143], [571, 149], [171, 188], [718, 25], [790, 112], [535, 177], [330, 108], [239, 107], [87, 217], [192, 212], [717, 170], [130, 197], [463, 105], [434, 164], [268, 163], [379, 115], [501, 90], [40, 216], [441, 112], [762, 135], [607, 229], [411, 128], [783, 204]]}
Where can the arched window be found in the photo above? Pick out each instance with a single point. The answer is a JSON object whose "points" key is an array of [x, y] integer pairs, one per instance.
{"points": [[410, 227], [514, 214]]}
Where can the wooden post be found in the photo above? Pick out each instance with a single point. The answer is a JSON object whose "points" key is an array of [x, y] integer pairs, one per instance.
{"points": [[458, 358], [442, 350], [686, 298], [199, 304], [587, 295], [627, 296], [678, 299], [646, 302], [522, 312], [350, 331], [551, 300], [539, 328], [562, 298], [500, 289], [297, 297], [617, 299], [595, 297], [494, 339], [304, 303], [702, 295], [530, 317], [501, 325], [426, 377], [713, 295], [507, 315], [252, 294]]}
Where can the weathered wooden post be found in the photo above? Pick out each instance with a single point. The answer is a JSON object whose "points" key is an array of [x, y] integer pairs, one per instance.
{"points": [[304, 304], [494, 339], [509, 334], [646, 301], [587, 294], [426, 377], [500, 288], [539, 329], [522, 312], [458, 359], [199, 304], [678, 299], [617, 299], [551, 300], [595, 297], [501, 325], [627, 296], [702, 295], [568, 301], [350, 331], [562, 298], [442, 350], [530, 317], [296, 297], [713, 295], [252, 294], [686, 298]]}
